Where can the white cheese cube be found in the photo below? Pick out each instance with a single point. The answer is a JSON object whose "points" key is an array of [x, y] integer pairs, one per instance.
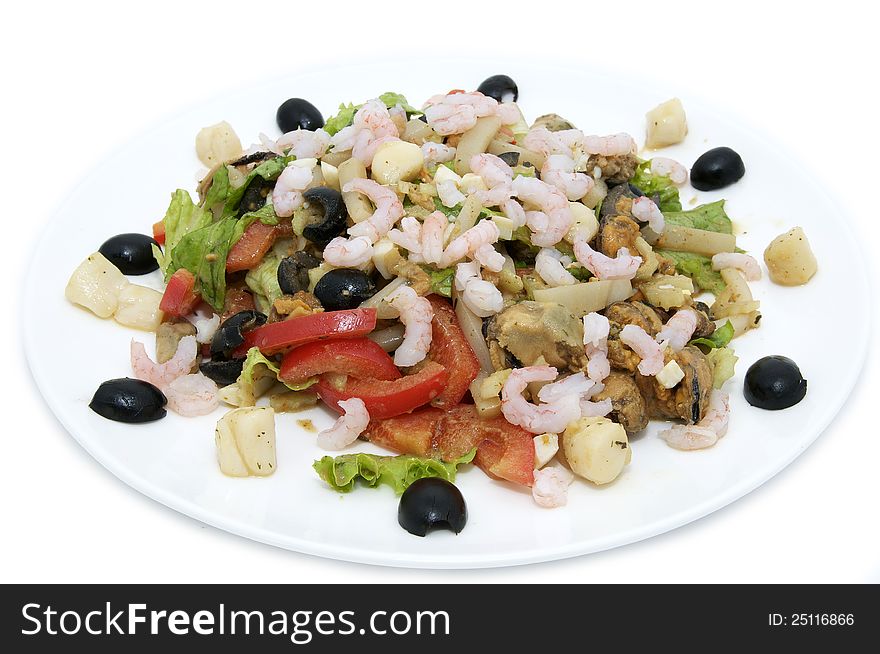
{"points": [[546, 447], [670, 375]]}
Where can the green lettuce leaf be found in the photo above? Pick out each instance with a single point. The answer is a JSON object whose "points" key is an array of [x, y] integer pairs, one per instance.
{"points": [[710, 217], [181, 218], [719, 338], [268, 170], [398, 472], [203, 252], [723, 362], [345, 115], [441, 280], [256, 366], [219, 189], [263, 281], [342, 119], [697, 267], [658, 185]]}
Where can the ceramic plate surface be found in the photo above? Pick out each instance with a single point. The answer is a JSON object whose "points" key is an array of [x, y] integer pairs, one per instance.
{"points": [[173, 461]]}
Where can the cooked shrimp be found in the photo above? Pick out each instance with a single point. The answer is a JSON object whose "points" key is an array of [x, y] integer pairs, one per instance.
{"points": [[551, 417], [484, 232], [550, 266], [389, 209], [432, 236], [591, 409], [457, 112], [541, 139], [409, 236], [492, 169], [515, 212], [706, 432], [646, 347], [347, 427], [495, 196], [577, 385], [596, 330], [746, 264], [678, 330], [624, 266], [162, 374], [304, 144], [558, 170], [374, 126], [552, 222], [481, 297], [437, 153], [646, 211], [192, 395], [489, 257], [449, 194], [416, 314], [348, 253], [550, 486], [287, 195], [610, 146], [670, 168]]}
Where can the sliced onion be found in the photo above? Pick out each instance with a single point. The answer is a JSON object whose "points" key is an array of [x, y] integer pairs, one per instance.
{"points": [[389, 339], [384, 311], [472, 326]]}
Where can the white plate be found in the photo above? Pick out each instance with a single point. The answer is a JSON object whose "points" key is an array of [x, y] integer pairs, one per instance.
{"points": [[173, 461]]}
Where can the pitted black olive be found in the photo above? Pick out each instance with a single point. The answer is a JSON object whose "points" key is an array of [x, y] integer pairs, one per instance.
{"points": [[717, 168], [129, 400], [253, 157], [774, 383], [510, 158], [231, 333], [499, 86], [293, 272], [222, 372], [255, 195], [430, 503], [131, 253], [344, 288], [333, 221], [297, 113]]}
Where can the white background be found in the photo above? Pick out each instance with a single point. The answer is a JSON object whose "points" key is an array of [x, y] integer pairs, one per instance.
{"points": [[81, 79]]}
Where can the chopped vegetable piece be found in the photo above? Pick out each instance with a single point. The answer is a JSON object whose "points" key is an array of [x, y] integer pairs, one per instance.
{"points": [[719, 338], [450, 348], [279, 336], [180, 297], [356, 357]]}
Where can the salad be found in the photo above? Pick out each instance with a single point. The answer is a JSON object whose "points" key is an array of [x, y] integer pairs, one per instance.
{"points": [[460, 285]]}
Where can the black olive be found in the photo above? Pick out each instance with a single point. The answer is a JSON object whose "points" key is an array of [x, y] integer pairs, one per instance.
{"points": [[293, 272], [430, 503], [717, 168], [131, 253], [222, 372], [230, 334], [773, 383], [297, 113], [255, 195], [334, 219], [499, 86], [510, 158], [344, 288], [129, 400], [423, 118]]}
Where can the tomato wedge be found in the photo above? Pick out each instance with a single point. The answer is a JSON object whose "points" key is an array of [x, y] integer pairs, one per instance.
{"points": [[180, 297], [504, 451], [385, 399], [356, 357], [159, 232], [253, 245], [450, 348], [276, 337]]}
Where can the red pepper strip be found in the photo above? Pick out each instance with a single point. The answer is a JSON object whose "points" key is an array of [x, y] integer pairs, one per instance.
{"points": [[504, 451], [356, 357], [385, 399], [277, 337], [450, 348], [251, 247], [180, 297]]}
